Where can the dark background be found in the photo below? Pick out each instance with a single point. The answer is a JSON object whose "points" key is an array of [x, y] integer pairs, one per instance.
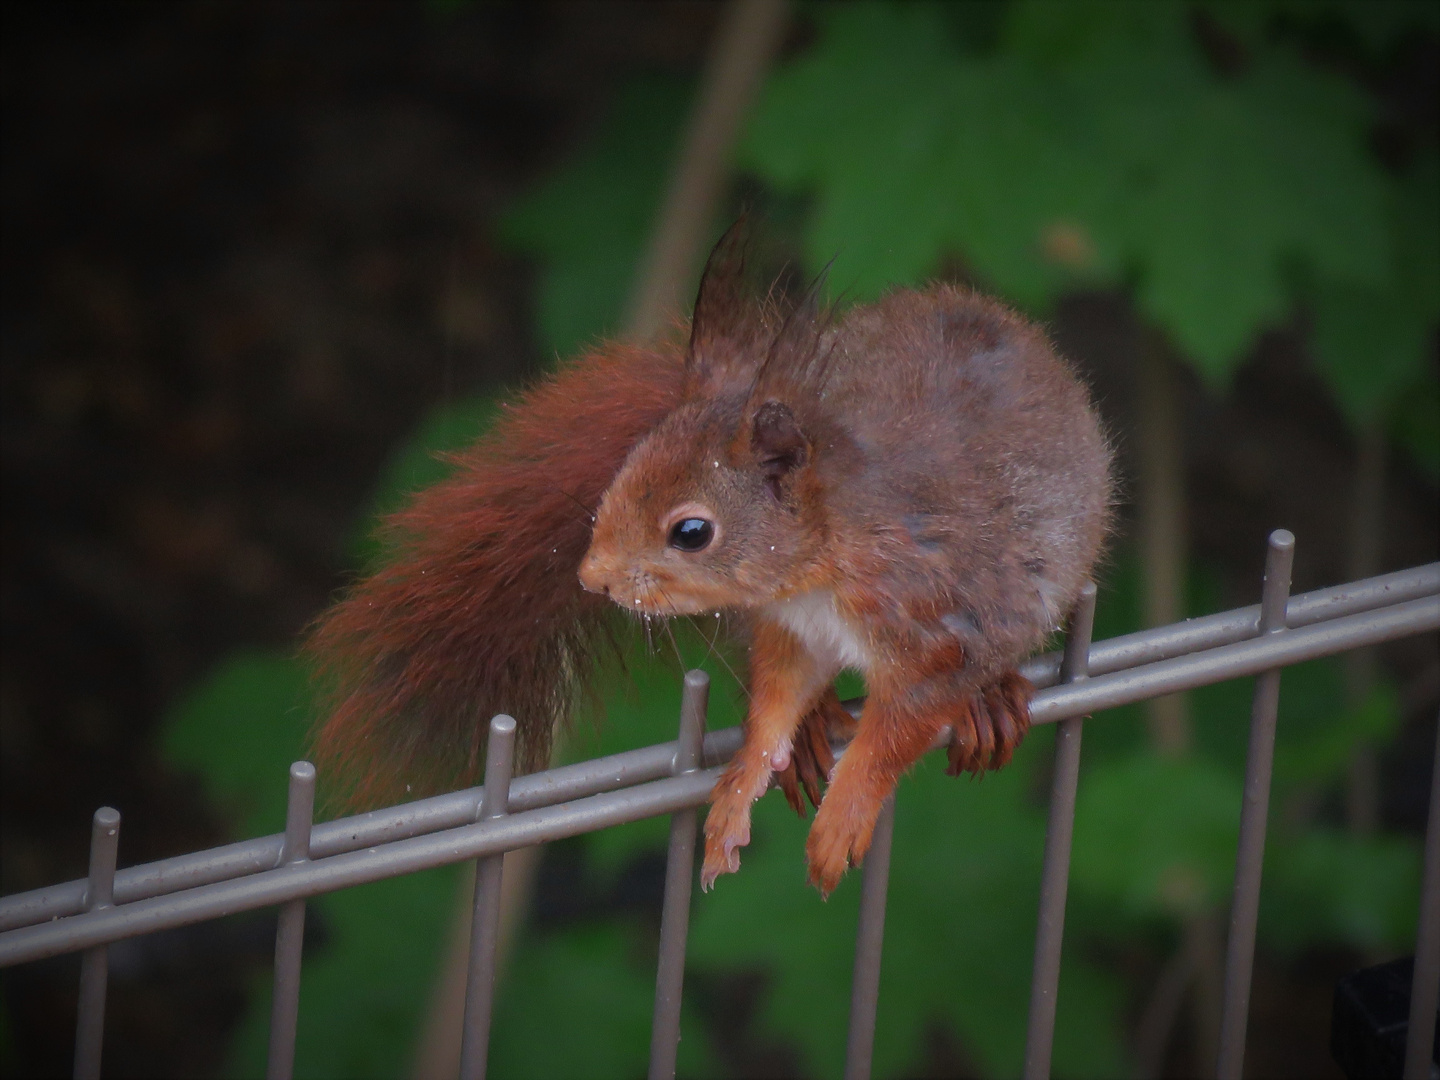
{"points": [[246, 247]]}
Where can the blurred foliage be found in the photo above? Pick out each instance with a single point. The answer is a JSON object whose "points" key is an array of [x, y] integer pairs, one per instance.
{"points": [[959, 928], [416, 464], [1045, 147], [1093, 145], [586, 224]]}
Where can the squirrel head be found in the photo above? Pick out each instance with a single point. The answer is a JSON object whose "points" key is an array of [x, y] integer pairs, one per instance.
{"points": [[722, 505]]}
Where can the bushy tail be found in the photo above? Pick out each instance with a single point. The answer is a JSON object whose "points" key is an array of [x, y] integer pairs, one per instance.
{"points": [[477, 609]]}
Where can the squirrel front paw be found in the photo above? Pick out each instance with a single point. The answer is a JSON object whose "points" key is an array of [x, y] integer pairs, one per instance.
{"points": [[727, 826], [990, 725]]}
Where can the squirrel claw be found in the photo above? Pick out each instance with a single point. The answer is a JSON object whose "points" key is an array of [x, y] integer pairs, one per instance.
{"points": [[723, 858], [811, 758], [727, 830], [990, 726]]}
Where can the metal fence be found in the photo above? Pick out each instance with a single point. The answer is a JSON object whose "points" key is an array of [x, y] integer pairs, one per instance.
{"points": [[675, 778]]}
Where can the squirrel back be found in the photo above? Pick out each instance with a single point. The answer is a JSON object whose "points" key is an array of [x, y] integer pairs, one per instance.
{"points": [[476, 609], [927, 460]]}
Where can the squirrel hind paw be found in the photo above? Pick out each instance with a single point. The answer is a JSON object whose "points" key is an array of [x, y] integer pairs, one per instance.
{"points": [[991, 723], [811, 757]]}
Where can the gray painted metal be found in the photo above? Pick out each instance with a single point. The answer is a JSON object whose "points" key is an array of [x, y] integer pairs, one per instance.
{"points": [[545, 823], [362, 831], [679, 878], [1254, 813], [1425, 983], [869, 938], [95, 964], [456, 809], [290, 933], [1055, 871], [485, 921], [1280, 649], [1228, 627]]}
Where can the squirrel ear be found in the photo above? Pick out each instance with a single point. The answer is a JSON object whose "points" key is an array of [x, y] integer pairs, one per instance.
{"points": [[726, 329], [780, 447]]}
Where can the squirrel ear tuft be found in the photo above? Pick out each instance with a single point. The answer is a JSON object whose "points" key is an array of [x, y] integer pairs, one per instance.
{"points": [[798, 358], [780, 447], [727, 331]]}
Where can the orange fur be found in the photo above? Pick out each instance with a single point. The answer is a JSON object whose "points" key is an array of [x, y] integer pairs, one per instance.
{"points": [[917, 490], [478, 610]]}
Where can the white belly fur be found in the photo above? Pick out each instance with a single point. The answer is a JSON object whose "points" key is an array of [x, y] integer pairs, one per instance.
{"points": [[813, 619]]}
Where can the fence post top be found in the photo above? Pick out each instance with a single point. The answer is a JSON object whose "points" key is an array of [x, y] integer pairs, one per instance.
{"points": [[503, 724], [302, 770], [107, 817]]}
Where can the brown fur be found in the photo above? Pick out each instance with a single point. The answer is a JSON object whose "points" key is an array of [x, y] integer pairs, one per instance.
{"points": [[478, 611], [918, 490]]}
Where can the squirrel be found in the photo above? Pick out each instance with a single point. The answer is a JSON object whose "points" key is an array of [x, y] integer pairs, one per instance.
{"points": [[915, 489]]}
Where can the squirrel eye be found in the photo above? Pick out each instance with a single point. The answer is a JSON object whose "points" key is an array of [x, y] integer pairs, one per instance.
{"points": [[691, 534]]}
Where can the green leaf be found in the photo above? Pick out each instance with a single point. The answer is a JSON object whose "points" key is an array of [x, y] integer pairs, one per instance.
{"points": [[1227, 181], [1370, 347], [1379, 23], [1416, 425], [1317, 735], [915, 152], [1415, 224], [418, 463], [363, 996], [1156, 836], [588, 223], [1373, 345], [240, 729], [960, 925], [578, 1004], [1325, 886], [366, 993], [1095, 142]]}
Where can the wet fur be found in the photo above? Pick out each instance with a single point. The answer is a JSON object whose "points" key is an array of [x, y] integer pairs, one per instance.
{"points": [[926, 466]]}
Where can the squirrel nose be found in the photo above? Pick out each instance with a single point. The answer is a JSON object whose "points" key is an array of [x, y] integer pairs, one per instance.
{"points": [[591, 577]]}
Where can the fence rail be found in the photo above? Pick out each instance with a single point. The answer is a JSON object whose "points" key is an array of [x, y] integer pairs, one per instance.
{"points": [[675, 778]]}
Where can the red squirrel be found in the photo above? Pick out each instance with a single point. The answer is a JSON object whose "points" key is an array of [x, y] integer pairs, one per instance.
{"points": [[915, 489]]}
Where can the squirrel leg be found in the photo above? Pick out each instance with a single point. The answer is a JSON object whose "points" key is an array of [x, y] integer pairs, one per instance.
{"points": [[989, 724], [811, 758], [893, 734], [785, 682]]}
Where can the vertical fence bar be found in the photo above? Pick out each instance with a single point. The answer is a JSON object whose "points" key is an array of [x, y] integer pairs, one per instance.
{"points": [[1425, 983], [1250, 856], [485, 924], [679, 874], [869, 937], [95, 964], [1055, 874], [290, 933]]}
